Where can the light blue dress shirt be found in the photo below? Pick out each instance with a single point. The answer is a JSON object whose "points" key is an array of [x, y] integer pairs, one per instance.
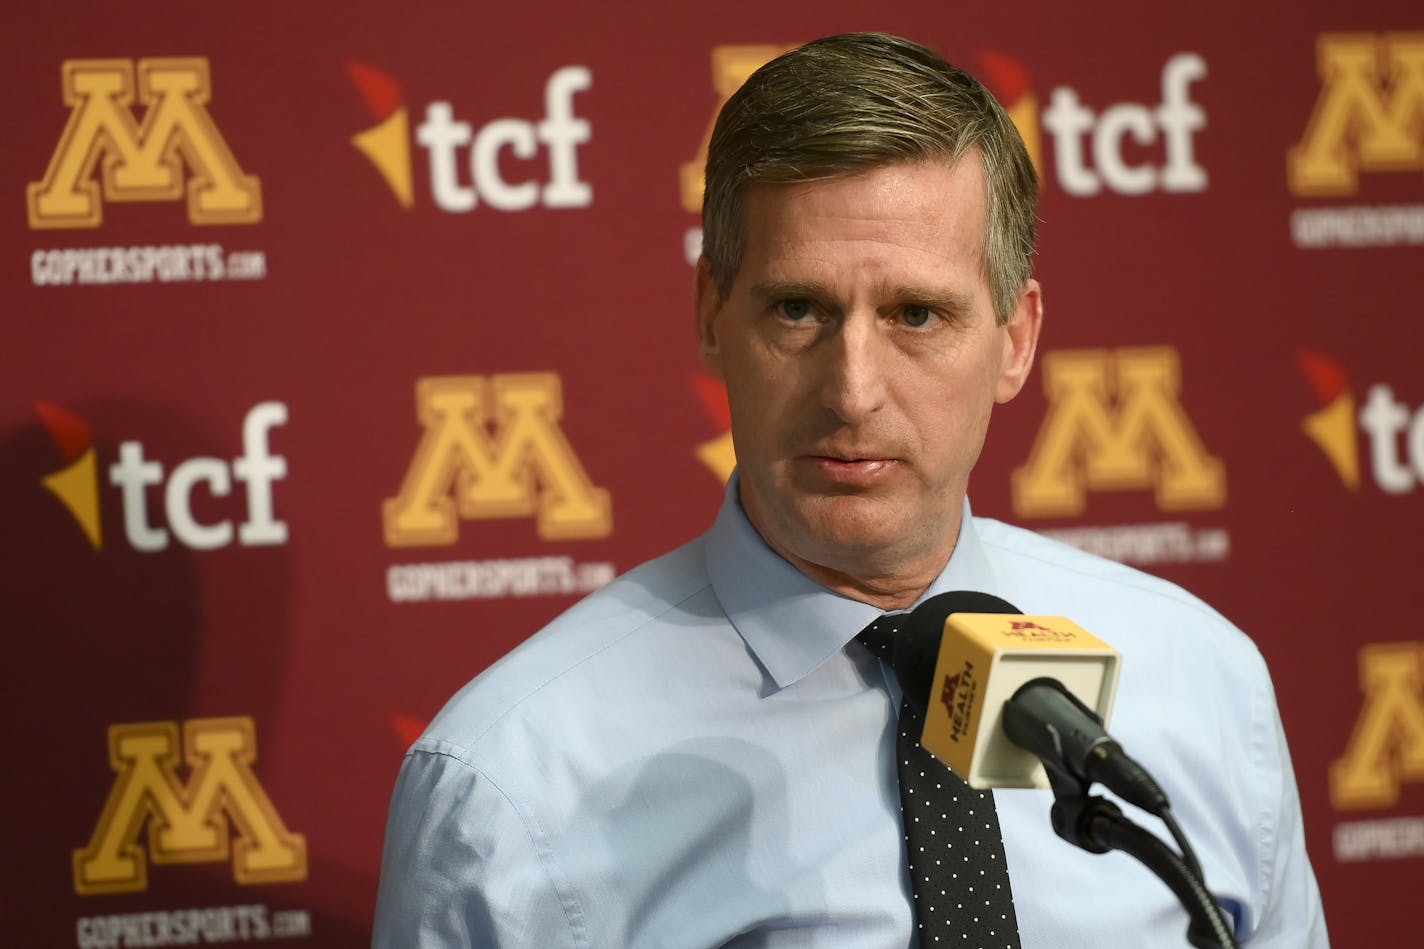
{"points": [[693, 757]]}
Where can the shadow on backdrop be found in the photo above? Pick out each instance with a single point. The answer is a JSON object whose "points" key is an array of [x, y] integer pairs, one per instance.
{"points": [[113, 635]]}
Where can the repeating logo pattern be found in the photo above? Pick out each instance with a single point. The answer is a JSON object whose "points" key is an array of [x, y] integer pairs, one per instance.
{"points": [[157, 135]]}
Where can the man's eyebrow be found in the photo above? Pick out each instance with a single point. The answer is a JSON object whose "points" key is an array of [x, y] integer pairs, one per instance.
{"points": [[790, 290], [936, 298]]}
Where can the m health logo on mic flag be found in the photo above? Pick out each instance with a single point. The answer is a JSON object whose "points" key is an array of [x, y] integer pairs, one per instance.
{"points": [[983, 658]]}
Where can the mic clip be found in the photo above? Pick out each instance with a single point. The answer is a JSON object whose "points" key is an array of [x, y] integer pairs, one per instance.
{"points": [[1075, 810]]}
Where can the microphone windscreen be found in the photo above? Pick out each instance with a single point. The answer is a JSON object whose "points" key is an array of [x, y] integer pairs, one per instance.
{"points": [[918, 644]]}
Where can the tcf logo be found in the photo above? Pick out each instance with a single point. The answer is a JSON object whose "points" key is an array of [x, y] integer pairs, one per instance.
{"points": [[76, 485], [1395, 431], [451, 143]]}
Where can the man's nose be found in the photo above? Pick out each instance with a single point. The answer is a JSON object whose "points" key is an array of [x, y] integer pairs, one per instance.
{"points": [[853, 374]]}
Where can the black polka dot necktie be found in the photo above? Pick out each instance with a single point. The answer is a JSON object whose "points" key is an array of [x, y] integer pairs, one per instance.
{"points": [[956, 853]]}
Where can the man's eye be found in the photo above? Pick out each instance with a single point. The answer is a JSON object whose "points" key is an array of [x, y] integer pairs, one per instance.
{"points": [[796, 310], [917, 315]]}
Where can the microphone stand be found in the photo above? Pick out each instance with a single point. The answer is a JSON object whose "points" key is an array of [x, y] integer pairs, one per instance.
{"points": [[1097, 825]]}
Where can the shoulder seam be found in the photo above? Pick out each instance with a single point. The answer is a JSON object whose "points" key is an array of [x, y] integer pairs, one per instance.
{"points": [[568, 899]]}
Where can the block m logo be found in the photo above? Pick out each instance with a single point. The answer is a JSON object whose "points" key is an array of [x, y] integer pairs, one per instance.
{"points": [[1370, 114], [1386, 748], [186, 824], [141, 161], [1114, 424], [493, 448]]}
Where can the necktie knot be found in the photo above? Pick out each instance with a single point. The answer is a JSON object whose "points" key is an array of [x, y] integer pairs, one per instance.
{"points": [[879, 636]]}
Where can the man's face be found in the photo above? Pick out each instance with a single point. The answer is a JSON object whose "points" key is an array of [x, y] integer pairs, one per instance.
{"points": [[862, 359]]}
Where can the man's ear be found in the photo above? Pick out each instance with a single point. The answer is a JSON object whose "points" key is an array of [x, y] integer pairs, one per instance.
{"points": [[709, 307], [1020, 342]]}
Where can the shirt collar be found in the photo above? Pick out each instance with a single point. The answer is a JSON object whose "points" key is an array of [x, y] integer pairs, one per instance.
{"points": [[790, 622]]}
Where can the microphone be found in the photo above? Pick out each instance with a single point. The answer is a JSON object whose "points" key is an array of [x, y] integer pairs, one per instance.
{"points": [[1020, 701], [1007, 697]]}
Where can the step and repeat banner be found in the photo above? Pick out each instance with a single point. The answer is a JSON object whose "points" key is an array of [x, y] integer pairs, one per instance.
{"points": [[347, 344]]}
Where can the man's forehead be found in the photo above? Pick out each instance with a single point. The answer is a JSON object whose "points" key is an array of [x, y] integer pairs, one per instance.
{"points": [[916, 213], [972, 157], [913, 190]]}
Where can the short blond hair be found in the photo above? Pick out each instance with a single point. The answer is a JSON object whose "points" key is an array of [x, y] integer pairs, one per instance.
{"points": [[857, 101]]}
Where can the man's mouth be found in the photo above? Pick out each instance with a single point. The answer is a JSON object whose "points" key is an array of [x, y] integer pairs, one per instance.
{"points": [[851, 468]]}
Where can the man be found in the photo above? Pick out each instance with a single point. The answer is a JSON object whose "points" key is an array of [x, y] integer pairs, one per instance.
{"points": [[700, 754]]}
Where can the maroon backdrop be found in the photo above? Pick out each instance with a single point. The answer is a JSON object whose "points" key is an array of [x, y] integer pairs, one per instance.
{"points": [[347, 344]]}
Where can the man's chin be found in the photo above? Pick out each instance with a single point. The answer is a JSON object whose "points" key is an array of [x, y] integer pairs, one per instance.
{"points": [[833, 527], [850, 528]]}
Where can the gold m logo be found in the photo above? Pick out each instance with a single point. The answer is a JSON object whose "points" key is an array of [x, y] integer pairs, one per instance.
{"points": [[141, 162], [186, 824], [1387, 746], [493, 448], [1115, 424], [1370, 114]]}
